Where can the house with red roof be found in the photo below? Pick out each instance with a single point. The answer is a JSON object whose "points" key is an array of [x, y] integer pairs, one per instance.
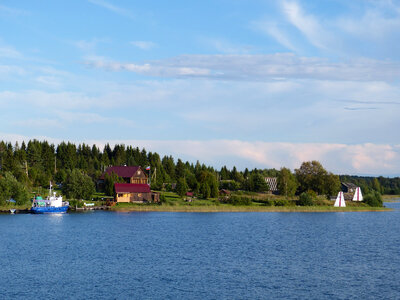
{"points": [[136, 193], [130, 174]]}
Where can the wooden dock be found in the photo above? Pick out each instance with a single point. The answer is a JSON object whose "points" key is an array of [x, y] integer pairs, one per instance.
{"points": [[86, 208]]}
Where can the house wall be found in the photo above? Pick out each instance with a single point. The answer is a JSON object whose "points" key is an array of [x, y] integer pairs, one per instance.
{"points": [[123, 198], [134, 197], [140, 177]]}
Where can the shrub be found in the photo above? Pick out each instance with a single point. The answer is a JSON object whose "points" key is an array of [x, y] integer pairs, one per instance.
{"points": [[373, 199], [284, 203], [269, 202], [162, 198], [305, 199], [237, 200]]}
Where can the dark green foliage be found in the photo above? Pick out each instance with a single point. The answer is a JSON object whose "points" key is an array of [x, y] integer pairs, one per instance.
{"points": [[11, 188], [284, 203], [109, 181], [305, 199], [332, 185], [205, 190], [287, 183], [373, 199], [257, 183], [162, 198], [239, 200], [181, 187], [311, 176], [78, 185]]}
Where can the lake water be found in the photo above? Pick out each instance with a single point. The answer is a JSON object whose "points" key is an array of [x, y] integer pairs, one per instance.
{"points": [[157, 255]]}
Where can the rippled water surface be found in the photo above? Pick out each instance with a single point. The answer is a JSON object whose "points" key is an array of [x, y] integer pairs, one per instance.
{"points": [[158, 255]]}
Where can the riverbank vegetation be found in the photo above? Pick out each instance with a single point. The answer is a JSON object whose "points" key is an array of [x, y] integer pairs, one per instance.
{"points": [[76, 168]]}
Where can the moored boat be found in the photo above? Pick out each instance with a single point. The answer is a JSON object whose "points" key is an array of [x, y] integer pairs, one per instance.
{"points": [[52, 204]]}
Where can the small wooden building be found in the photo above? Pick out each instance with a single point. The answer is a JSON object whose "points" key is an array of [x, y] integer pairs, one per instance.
{"points": [[135, 193], [348, 187], [130, 174]]}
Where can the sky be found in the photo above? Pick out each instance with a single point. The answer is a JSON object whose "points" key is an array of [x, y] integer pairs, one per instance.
{"points": [[245, 83]]}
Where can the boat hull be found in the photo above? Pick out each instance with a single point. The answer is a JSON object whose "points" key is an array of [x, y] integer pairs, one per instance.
{"points": [[49, 210]]}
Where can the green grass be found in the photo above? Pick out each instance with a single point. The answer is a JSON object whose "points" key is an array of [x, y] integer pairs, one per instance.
{"points": [[174, 203], [9, 206], [233, 208]]}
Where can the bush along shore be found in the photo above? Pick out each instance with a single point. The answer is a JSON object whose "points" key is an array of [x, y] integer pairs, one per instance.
{"points": [[251, 202]]}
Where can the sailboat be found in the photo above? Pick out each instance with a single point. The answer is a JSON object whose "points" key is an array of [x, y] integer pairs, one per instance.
{"points": [[357, 195], [340, 200]]}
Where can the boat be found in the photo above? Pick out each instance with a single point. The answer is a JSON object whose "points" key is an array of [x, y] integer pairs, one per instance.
{"points": [[12, 211], [358, 195], [52, 204], [340, 200]]}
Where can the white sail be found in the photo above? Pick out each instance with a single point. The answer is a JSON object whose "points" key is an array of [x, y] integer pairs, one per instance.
{"points": [[340, 200], [358, 195]]}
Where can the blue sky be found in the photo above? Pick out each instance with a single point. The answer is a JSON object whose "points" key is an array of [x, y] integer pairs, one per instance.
{"points": [[247, 83]]}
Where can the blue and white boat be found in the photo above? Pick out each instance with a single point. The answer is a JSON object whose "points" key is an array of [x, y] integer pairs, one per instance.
{"points": [[51, 204]]}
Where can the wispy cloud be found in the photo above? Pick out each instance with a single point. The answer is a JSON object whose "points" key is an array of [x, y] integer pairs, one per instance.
{"points": [[257, 67], [361, 108], [10, 52], [89, 45], [225, 46], [12, 70], [113, 8], [13, 11], [307, 24], [144, 45], [275, 31]]}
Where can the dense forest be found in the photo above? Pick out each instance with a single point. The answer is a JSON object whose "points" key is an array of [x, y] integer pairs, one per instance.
{"points": [[37, 163]]}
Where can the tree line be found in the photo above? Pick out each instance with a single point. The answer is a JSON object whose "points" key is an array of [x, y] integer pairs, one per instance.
{"points": [[78, 167]]}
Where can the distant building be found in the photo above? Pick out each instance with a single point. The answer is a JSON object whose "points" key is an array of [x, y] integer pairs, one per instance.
{"points": [[135, 193], [348, 187], [272, 184], [189, 196], [130, 174]]}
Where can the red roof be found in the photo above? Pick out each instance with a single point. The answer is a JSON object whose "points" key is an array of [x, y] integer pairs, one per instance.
{"points": [[121, 171], [189, 194], [131, 188]]}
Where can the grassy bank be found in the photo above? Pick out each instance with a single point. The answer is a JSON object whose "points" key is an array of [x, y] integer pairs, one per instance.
{"points": [[233, 208], [7, 207]]}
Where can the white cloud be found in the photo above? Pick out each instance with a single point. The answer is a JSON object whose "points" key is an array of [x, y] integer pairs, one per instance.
{"points": [[272, 29], [144, 45], [306, 24], [10, 52], [226, 47], [38, 123], [257, 67], [112, 7], [12, 11], [9, 69]]}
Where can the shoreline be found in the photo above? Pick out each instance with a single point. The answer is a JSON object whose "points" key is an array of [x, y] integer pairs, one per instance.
{"points": [[209, 209]]}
